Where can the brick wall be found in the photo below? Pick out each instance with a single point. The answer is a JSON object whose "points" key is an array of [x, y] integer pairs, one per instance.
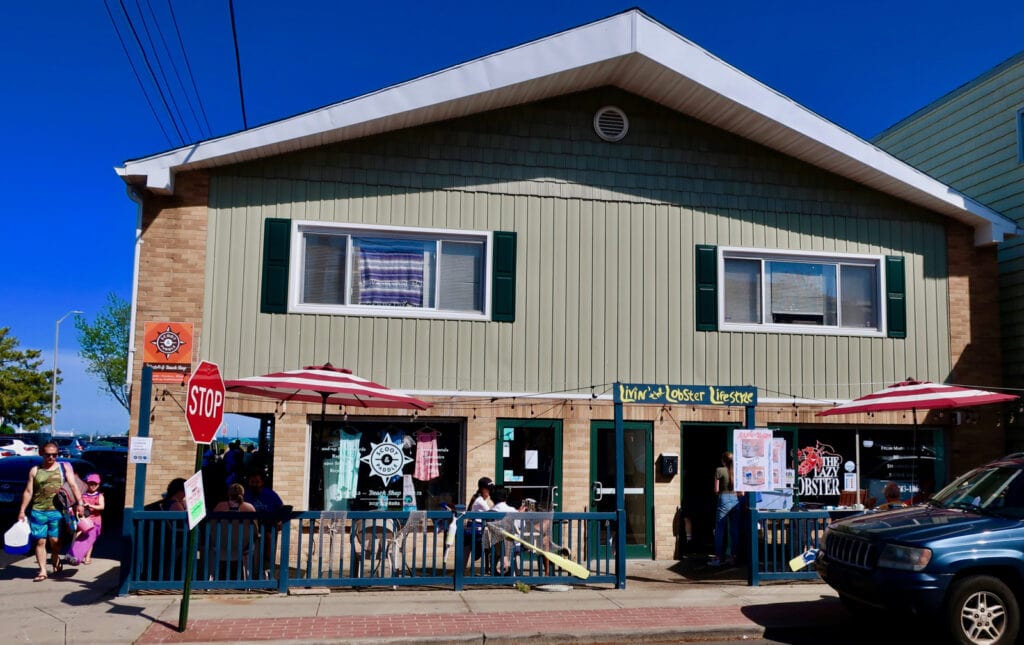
{"points": [[974, 344], [171, 288]]}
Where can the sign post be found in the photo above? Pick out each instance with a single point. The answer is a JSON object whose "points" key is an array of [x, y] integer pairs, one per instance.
{"points": [[204, 413]]}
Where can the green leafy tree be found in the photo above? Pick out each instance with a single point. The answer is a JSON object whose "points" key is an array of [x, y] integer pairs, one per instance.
{"points": [[24, 390], [104, 346]]}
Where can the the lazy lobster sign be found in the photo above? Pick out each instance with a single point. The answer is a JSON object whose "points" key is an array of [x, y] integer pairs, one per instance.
{"points": [[204, 404]]}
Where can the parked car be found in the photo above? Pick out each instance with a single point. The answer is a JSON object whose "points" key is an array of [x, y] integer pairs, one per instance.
{"points": [[957, 561], [34, 438], [11, 447], [14, 476], [69, 446]]}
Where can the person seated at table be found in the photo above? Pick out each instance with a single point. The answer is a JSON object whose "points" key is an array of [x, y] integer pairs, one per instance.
{"points": [[509, 549], [892, 497]]}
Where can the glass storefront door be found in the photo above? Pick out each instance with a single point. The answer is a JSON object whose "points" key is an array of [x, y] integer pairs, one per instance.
{"points": [[529, 461], [639, 481]]}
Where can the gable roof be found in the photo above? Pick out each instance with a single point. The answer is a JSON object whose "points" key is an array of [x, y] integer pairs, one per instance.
{"points": [[630, 51]]}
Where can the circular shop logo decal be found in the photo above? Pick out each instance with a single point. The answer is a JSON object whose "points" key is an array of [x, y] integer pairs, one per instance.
{"points": [[386, 459], [168, 342]]}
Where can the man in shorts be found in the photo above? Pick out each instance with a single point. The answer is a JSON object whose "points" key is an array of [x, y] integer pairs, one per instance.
{"points": [[44, 519]]}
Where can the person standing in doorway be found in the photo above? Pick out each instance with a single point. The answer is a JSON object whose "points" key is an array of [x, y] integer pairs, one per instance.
{"points": [[726, 513]]}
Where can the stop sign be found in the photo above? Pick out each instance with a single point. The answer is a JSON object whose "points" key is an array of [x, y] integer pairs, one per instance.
{"points": [[204, 409]]}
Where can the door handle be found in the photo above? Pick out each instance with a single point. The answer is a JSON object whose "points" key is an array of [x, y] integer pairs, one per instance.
{"points": [[554, 495], [598, 491]]}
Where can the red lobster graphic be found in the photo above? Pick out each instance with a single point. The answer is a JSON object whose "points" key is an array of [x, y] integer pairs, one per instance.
{"points": [[809, 458], [812, 459]]}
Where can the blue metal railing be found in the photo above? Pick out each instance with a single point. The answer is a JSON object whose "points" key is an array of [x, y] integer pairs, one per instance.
{"points": [[779, 536], [239, 551]]}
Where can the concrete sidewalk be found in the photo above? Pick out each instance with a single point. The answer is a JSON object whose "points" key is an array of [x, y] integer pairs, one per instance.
{"points": [[658, 605]]}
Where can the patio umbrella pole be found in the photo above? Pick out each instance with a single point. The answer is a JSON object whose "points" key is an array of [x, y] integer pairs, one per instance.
{"points": [[856, 457], [913, 473], [323, 408]]}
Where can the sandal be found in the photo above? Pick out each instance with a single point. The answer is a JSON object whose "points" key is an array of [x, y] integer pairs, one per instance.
{"points": [[58, 565], [87, 561], [39, 578]]}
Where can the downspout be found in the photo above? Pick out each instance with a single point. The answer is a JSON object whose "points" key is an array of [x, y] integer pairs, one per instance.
{"points": [[137, 198]]}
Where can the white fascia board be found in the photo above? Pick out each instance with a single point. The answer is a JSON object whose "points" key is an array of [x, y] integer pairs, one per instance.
{"points": [[690, 61], [593, 43]]}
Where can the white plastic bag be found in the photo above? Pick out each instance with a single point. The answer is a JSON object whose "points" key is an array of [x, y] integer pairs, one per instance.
{"points": [[16, 538]]}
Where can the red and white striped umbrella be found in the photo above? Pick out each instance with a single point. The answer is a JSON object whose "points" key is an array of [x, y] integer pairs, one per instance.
{"points": [[915, 395], [918, 395], [325, 384]]}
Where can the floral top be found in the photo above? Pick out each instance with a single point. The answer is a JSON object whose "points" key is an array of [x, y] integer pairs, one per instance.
{"points": [[92, 499]]}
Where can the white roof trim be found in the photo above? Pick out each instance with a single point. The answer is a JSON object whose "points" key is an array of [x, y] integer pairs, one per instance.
{"points": [[629, 50]]}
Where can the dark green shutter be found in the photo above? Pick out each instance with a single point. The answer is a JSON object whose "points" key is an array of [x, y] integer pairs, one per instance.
{"points": [[276, 247], [503, 277], [707, 287], [895, 297]]}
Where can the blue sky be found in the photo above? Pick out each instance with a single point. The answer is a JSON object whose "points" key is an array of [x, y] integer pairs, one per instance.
{"points": [[73, 110]]}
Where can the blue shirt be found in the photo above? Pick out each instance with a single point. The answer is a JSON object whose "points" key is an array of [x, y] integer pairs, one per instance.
{"points": [[264, 501]]}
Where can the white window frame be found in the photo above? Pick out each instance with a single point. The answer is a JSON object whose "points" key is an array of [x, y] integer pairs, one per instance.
{"points": [[749, 253], [297, 263]]}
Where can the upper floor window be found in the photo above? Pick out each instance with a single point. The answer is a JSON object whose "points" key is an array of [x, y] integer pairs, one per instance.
{"points": [[389, 270], [800, 292]]}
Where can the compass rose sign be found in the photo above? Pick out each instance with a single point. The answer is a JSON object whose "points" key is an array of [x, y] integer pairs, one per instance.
{"points": [[386, 459], [167, 348]]}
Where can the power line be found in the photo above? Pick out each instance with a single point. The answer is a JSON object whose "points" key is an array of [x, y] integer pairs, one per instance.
{"points": [[160, 68], [174, 67], [135, 71], [145, 58], [238, 64], [188, 66]]}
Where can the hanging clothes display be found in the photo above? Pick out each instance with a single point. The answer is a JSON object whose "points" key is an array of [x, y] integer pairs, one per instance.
{"points": [[427, 466], [348, 465]]}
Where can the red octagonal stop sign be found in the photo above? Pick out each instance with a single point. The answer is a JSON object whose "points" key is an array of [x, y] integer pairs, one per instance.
{"points": [[204, 409]]}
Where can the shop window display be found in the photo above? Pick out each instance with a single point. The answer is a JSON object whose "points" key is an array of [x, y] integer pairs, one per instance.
{"points": [[826, 463], [387, 465]]}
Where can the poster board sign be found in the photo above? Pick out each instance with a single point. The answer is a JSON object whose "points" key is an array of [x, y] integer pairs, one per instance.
{"points": [[140, 450], [779, 463], [195, 500], [752, 460]]}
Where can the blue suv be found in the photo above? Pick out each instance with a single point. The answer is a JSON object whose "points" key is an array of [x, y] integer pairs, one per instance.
{"points": [[957, 561]]}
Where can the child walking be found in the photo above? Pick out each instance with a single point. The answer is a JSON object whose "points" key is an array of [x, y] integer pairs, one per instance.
{"points": [[90, 525]]}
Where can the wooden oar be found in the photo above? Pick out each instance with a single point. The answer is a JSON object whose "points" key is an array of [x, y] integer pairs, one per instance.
{"points": [[573, 568]]}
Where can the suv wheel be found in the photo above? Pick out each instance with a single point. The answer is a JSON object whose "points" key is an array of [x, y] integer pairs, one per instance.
{"points": [[982, 609]]}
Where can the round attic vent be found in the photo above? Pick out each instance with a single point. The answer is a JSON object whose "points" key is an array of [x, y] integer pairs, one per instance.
{"points": [[611, 123]]}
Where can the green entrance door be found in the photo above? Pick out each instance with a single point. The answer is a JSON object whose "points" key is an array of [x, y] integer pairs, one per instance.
{"points": [[639, 481], [529, 460]]}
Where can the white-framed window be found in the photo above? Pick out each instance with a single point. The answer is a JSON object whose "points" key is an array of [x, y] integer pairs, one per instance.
{"points": [[390, 271], [801, 292]]}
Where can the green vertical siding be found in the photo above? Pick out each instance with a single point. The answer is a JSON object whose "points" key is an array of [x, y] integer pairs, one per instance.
{"points": [[606, 234], [969, 139]]}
